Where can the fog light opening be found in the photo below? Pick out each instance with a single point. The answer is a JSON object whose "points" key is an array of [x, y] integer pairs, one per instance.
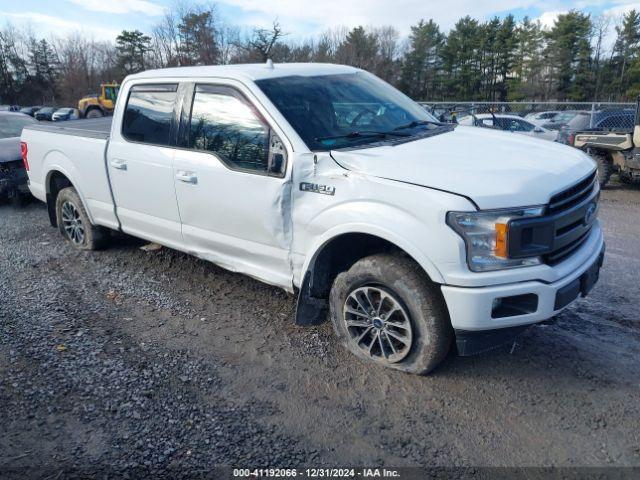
{"points": [[515, 305]]}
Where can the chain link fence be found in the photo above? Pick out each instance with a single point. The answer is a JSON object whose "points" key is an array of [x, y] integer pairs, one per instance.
{"points": [[562, 117]]}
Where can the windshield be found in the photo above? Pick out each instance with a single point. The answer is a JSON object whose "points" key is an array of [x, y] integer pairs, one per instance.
{"points": [[11, 126], [345, 110], [64, 110]]}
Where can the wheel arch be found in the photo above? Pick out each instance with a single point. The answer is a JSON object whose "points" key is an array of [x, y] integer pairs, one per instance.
{"points": [[336, 252], [56, 179]]}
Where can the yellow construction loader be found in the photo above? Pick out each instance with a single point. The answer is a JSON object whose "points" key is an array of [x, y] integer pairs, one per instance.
{"points": [[99, 105]]}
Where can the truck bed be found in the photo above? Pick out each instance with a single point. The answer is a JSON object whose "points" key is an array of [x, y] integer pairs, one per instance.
{"points": [[90, 128]]}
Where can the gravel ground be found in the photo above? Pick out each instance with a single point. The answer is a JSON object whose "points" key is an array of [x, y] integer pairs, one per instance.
{"points": [[132, 362]]}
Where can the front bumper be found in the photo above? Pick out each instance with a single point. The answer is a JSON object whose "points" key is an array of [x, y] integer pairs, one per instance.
{"points": [[473, 311]]}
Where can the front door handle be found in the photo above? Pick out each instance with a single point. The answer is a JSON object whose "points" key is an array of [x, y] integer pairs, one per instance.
{"points": [[187, 177], [119, 164]]}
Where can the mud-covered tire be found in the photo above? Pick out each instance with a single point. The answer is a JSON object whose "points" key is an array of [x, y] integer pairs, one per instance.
{"points": [[71, 216], [605, 167], [421, 299], [626, 178]]}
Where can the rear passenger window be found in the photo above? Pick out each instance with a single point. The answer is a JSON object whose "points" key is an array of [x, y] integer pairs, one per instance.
{"points": [[149, 114], [224, 123]]}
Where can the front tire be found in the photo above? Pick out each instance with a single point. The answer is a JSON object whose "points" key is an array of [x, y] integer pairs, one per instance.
{"points": [[384, 309], [74, 224], [94, 113]]}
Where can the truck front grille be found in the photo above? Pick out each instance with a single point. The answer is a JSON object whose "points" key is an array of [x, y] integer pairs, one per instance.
{"points": [[573, 195], [573, 211]]}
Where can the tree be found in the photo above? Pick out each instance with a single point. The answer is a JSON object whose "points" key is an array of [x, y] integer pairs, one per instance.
{"points": [[528, 69], [43, 65], [625, 50], [569, 56], [13, 66], [461, 62], [197, 35], [358, 49], [423, 61], [260, 46], [506, 47], [132, 47]]}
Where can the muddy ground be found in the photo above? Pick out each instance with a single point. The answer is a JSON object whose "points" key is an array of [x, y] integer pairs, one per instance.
{"points": [[123, 358]]}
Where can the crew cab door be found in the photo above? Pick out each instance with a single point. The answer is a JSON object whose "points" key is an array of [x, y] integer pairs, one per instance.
{"points": [[231, 183], [140, 163]]}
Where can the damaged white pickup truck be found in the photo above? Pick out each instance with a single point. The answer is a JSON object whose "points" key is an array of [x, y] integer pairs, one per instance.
{"points": [[322, 179]]}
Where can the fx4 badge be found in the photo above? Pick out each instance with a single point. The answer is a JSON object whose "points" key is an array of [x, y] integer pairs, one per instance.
{"points": [[316, 188]]}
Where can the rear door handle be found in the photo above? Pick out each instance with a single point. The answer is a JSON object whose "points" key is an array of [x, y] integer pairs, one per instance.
{"points": [[187, 177], [119, 164]]}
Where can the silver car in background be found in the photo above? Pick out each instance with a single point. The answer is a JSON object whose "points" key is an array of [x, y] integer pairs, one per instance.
{"points": [[509, 123]]}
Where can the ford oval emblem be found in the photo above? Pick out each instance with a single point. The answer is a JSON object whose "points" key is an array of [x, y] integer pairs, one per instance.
{"points": [[590, 213]]}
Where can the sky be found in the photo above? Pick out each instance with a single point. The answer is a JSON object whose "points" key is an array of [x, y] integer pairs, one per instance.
{"points": [[104, 19]]}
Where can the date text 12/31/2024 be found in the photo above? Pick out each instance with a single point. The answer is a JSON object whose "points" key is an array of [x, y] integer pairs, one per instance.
{"points": [[316, 473]]}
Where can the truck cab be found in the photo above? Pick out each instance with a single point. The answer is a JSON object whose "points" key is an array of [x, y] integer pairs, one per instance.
{"points": [[409, 235]]}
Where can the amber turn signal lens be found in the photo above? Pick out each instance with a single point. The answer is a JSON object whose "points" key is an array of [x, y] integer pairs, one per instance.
{"points": [[502, 231]]}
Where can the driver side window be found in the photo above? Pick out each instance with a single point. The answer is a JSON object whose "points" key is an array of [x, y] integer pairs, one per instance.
{"points": [[225, 124]]}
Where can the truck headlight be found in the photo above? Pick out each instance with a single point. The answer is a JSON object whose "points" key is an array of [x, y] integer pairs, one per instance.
{"points": [[486, 235]]}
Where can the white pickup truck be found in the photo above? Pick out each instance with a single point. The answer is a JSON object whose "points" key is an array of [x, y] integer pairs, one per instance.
{"points": [[326, 181]]}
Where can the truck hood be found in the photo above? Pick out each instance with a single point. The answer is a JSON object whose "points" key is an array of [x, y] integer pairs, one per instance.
{"points": [[10, 149], [494, 169]]}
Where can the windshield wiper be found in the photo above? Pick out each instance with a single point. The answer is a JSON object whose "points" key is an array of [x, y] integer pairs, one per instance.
{"points": [[417, 123], [363, 134]]}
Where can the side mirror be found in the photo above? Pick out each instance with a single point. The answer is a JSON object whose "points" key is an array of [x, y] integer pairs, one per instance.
{"points": [[277, 156], [276, 164]]}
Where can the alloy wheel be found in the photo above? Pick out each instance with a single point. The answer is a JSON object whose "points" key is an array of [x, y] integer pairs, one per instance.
{"points": [[378, 324], [72, 223]]}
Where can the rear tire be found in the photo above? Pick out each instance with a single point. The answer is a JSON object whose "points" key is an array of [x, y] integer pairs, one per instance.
{"points": [[74, 224], [626, 178], [407, 327], [605, 168]]}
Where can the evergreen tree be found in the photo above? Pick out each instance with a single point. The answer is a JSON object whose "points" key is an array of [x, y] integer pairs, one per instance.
{"points": [[42, 64], [197, 35], [461, 60], [423, 61], [506, 47], [358, 49], [529, 62], [625, 52], [131, 48], [569, 56]]}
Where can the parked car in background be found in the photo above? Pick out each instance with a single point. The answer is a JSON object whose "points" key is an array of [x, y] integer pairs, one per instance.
{"points": [[65, 114], [13, 176], [30, 110], [322, 179], [9, 108], [509, 123], [45, 113], [602, 120], [540, 118]]}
